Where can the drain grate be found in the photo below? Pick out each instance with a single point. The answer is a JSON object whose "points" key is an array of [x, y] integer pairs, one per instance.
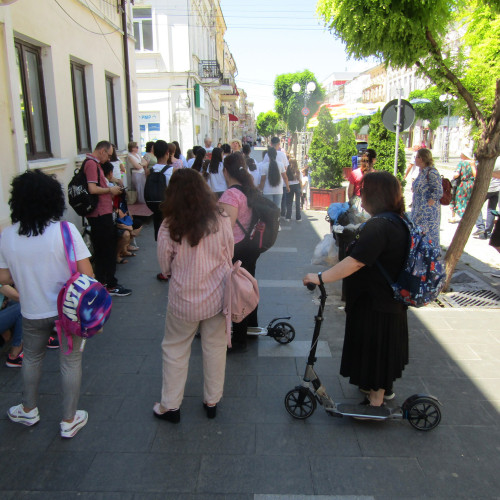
{"points": [[470, 298]]}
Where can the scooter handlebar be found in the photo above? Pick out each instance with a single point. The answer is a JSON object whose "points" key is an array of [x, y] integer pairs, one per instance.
{"points": [[311, 286]]}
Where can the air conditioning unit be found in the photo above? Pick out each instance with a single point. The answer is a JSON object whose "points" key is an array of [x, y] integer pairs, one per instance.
{"points": [[222, 110], [225, 81]]}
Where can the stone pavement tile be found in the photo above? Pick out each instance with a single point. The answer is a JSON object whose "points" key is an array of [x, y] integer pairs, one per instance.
{"points": [[99, 436], [332, 439], [141, 473], [254, 474], [460, 477], [191, 496], [488, 352], [65, 495], [313, 497], [397, 438], [123, 385], [482, 442], [439, 336], [473, 321], [137, 346], [428, 319], [458, 412], [16, 438], [477, 369], [207, 438], [458, 351], [295, 349], [459, 389], [260, 366], [47, 471], [426, 366], [99, 363], [395, 477]]}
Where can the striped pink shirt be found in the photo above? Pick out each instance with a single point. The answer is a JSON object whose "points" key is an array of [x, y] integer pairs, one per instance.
{"points": [[197, 274]]}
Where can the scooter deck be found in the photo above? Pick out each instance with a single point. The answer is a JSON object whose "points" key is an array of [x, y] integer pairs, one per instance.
{"points": [[356, 410]]}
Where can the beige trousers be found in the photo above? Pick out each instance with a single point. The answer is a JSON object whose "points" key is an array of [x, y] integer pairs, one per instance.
{"points": [[176, 348]]}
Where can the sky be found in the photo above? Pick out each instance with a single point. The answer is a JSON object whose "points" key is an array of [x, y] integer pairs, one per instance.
{"points": [[271, 37]]}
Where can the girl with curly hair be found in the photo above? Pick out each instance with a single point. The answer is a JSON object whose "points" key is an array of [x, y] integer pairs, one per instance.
{"points": [[195, 248], [33, 256]]}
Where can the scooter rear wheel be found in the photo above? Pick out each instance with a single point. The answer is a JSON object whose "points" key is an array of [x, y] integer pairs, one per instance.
{"points": [[424, 414], [283, 332], [300, 403]]}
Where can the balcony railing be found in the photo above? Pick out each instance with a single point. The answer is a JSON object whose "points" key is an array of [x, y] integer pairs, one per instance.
{"points": [[209, 69]]}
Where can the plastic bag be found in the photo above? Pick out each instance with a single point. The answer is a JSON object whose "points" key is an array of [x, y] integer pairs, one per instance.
{"points": [[326, 252]]}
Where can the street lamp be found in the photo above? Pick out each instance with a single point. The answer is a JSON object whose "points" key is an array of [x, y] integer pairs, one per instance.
{"points": [[448, 98], [309, 89]]}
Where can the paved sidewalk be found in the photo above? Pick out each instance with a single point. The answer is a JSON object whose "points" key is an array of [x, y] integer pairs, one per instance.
{"points": [[254, 449]]}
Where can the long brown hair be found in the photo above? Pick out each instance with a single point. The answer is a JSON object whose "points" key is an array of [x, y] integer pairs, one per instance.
{"points": [[190, 208], [381, 192], [292, 171]]}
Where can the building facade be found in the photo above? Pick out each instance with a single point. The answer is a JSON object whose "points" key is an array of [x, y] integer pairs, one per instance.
{"points": [[63, 86], [185, 72]]}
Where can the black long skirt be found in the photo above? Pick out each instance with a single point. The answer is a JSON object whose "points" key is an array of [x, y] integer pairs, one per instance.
{"points": [[375, 348]]}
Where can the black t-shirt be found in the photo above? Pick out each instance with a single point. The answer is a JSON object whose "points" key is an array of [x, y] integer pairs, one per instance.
{"points": [[385, 241]]}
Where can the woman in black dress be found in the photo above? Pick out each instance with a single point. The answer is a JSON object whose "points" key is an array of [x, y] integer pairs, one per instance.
{"points": [[375, 348]]}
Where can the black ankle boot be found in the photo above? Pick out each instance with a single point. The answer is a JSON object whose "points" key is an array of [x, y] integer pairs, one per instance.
{"points": [[211, 410], [173, 416]]}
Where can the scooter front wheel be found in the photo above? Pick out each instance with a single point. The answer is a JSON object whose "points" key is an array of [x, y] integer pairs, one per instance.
{"points": [[300, 403], [424, 414], [283, 332]]}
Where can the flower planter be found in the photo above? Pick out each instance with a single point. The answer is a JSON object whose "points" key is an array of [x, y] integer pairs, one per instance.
{"points": [[321, 199]]}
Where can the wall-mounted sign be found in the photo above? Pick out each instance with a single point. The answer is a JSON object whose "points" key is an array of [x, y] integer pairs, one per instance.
{"points": [[149, 117]]}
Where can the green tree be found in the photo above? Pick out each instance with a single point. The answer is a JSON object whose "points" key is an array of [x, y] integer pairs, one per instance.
{"points": [[326, 169], [359, 122], [346, 147], [289, 104], [267, 123], [384, 142], [414, 32]]}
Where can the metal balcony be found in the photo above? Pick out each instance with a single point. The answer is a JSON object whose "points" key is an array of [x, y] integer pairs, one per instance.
{"points": [[209, 69]]}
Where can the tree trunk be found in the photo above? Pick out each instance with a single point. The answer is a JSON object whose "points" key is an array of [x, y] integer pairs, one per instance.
{"points": [[479, 191]]}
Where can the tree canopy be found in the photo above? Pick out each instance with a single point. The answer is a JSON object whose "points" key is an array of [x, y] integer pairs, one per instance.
{"points": [[432, 111], [267, 123], [455, 43], [289, 104]]}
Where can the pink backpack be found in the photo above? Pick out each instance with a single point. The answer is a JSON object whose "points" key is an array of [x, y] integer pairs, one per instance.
{"points": [[83, 304], [241, 296]]}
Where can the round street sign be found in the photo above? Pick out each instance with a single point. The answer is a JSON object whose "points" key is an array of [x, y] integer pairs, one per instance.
{"points": [[390, 113], [305, 111]]}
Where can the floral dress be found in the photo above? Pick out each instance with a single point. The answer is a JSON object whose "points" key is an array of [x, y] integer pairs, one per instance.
{"points": [[464, 189], [427, 186]]}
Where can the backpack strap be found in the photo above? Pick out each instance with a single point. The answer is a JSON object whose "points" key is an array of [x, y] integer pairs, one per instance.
{"points": [[69, 246], [245, 232], [164, 169]]}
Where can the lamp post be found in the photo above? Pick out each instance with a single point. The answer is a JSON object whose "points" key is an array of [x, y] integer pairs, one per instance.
{"points": [[448, 98], [308, 89]]}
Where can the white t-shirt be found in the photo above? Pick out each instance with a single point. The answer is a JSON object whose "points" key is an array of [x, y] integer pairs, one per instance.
{"points": [[264, 170], [168, 173], [190, 162], [217, 182], [280, 156], [38, 266], [256, 176]]}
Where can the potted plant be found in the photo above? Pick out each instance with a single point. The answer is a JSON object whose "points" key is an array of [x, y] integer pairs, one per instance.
{"points": [[327, 153]]}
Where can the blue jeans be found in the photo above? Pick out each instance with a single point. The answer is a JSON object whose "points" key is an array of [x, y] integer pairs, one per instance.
{"points": [[10, 318], [294, 191], [275, 198], [492, 199]]}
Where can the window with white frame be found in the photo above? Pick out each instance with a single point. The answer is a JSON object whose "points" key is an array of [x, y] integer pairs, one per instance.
{"points": [[143, 28], [33, 102], [110, 102], [80, 106]]}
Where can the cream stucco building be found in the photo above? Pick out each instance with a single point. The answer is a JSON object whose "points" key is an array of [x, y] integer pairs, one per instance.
{"points": [[63, 85]]}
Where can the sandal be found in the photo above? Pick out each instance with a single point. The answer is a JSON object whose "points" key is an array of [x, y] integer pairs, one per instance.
{"points": [[132, 249], [161, 277], [122, 261], [130, 254]]}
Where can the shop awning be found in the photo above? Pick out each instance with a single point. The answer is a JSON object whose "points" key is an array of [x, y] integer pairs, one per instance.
{"points": [[342, 111], [233, 118]]}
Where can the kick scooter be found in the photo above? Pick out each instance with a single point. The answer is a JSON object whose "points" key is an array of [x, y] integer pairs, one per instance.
{"points": [[421, 411], [282, 332]]}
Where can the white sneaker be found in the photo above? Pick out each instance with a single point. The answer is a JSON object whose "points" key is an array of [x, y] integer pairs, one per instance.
{"points": [[17, 414], [69, 429], [496, 275]]}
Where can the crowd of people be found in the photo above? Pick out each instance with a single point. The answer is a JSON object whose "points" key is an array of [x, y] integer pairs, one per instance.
{"points": [[202, 229]]}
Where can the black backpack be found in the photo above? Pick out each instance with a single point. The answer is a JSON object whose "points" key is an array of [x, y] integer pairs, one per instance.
{"points": [[79, 197], [154, 189], [264, 225]]}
